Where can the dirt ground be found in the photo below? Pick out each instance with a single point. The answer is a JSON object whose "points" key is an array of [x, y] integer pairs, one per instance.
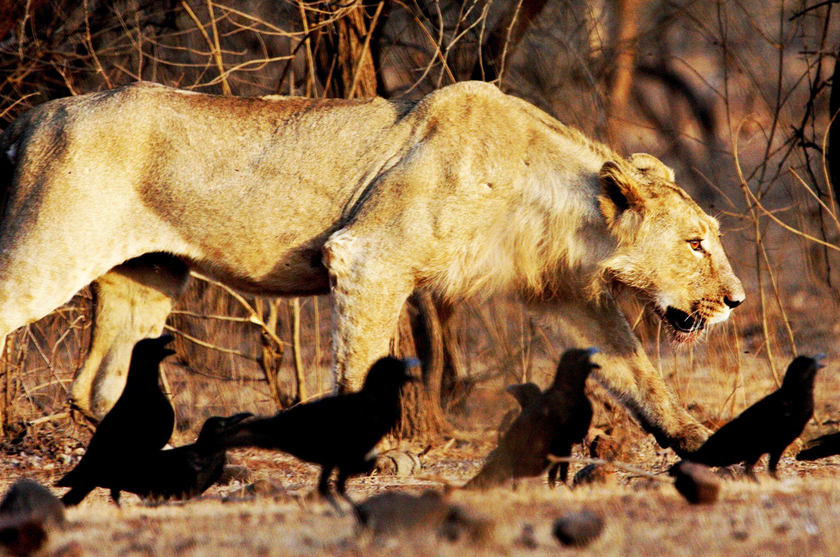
{"points": [[798, 515]]}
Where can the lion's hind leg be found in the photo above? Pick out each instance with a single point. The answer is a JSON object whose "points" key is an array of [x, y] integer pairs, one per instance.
{"points": [[131, 302]]}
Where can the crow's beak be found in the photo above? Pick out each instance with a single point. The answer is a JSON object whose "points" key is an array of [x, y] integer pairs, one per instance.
{"points": [[410, 363], [819, 358], [592, 351], [165, 339], [413, 362]]}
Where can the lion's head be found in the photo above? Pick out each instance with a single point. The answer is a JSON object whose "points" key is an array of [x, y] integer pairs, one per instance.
{"points": [[668, 249]]}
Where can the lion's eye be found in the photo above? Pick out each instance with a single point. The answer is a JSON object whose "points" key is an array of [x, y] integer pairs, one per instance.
{"points": [[696, 245]]}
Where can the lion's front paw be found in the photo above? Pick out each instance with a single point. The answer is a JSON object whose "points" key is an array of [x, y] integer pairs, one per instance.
{"points": [[690, 439]]}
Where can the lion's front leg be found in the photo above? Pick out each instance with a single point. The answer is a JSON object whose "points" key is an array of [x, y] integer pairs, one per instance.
{"points": [[627, 373], [369, 289]]}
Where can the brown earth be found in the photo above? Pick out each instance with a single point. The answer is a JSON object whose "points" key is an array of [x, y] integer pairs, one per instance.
{"points": [[798, 515]]}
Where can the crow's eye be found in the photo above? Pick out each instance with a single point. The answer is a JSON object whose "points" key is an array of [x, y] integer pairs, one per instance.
{"points": [[696, 245]]}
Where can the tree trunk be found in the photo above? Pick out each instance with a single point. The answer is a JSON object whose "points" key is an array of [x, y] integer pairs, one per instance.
{"points": [[625, 59], [833, 153], [504, 38], [344, 62], [420, 334]]}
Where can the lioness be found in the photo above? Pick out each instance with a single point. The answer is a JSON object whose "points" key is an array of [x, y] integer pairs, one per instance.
{"points": [[468, 191]]}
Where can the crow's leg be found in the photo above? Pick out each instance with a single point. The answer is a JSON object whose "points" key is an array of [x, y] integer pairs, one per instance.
{"points": [[749, 469], [552, 474], [341, 484], [564, 472], [324, 480], [774, 463]]}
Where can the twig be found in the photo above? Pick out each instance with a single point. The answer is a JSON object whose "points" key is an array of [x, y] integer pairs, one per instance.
{"points": [[299, 375], [503, 57], [50, 418], [15, 103], [619, 465], [254, 316], [310, 61], [365, 50], [207, 344], [215, 51], [89, 44], [803, 11], [205, 316], [316, 318]]}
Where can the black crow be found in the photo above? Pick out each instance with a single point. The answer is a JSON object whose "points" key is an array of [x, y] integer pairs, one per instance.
{"points": [[821, 447], [559, 418], [525, 394], [567, 398], [183, 472], [139, 424], [335, 432], [769, 425]]}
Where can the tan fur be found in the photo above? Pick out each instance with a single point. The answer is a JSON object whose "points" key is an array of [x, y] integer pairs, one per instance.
{"points": [[466, 192]]}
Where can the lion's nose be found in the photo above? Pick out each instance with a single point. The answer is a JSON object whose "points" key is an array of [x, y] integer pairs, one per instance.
{"points": [[732, 303]]}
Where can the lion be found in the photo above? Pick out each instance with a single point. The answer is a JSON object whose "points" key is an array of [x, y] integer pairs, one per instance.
{"points": [[466, 192]]}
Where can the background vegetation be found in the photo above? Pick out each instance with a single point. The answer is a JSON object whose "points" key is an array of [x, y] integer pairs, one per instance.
{"points": [[736, 95]]}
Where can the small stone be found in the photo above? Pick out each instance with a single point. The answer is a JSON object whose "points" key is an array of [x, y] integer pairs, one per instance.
{"points": [[394, 512], [733, 472], [528, 538], [594, 474], [397, 463], [461, 522], [578, 528], [695, 482], [29, 512], [604, 447]]}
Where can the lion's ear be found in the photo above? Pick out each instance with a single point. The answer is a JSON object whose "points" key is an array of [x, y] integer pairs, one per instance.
{"points": [[653, 167], [620, 192]]}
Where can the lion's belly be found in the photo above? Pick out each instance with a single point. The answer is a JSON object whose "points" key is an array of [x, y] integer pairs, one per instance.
{"points": [[278, 264], [289, 280]]}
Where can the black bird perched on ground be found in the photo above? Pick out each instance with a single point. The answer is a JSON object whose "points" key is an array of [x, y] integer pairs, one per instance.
{"points": [[183, 472], [821, 447], [559, 418], [525, 394], [568, 398], [335, 432], [769, 425], [139, 424]]}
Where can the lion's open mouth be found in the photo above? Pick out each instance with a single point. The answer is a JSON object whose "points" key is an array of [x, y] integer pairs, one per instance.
{"points": [[683, 322]]}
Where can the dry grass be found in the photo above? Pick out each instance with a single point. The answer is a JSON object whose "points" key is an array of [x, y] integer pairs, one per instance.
{"points": [[797, 515]]}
